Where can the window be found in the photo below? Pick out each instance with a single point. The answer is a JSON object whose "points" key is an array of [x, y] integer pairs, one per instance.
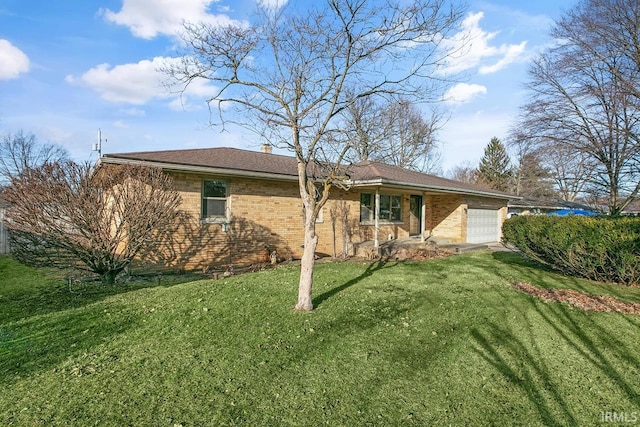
{"points": [[367, 210], [390, 207], [214, 199]]}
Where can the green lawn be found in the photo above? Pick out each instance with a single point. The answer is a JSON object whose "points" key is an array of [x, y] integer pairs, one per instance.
{"points": [[444, 342]]}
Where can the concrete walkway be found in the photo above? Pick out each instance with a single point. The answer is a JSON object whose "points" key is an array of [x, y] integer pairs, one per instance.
{"points": [[390, 247]]}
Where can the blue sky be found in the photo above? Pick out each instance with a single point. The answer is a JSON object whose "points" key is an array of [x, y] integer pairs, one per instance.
{"points": [[69, 68]]}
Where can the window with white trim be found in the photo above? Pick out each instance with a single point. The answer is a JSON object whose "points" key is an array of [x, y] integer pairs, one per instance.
{"points": [[390, 207], [214, 199]]}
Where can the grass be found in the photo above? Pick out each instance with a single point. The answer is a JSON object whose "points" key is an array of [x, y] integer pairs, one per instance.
{"points": [[432, 343]]}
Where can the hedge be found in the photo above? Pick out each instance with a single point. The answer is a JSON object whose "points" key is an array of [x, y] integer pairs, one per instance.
{"points": [[598, 248]]}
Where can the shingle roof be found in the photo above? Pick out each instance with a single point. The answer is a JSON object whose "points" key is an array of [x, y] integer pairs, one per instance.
{"points": [[219, 158], [243, 162], [364, 172]]}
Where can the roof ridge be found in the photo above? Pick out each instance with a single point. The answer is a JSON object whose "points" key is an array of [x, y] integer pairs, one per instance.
{"points": [[373, 165]]}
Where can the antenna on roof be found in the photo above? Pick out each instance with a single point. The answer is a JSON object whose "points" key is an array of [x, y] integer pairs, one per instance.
{"points": [[98, 146]]}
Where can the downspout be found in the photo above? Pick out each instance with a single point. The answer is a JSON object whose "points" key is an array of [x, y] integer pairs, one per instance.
{"points": [[376, 238]]}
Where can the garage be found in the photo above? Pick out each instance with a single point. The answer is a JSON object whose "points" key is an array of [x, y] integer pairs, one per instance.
{"points": [[483, 225]]}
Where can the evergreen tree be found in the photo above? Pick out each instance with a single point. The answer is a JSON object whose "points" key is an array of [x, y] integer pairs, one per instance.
{"points": [[532, 179], [494, 170]]}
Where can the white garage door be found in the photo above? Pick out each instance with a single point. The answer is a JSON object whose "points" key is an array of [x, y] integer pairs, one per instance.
{"points": [[482, 225]]}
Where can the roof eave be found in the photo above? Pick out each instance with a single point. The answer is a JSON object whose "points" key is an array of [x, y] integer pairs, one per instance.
{"points": [[440, 189]]}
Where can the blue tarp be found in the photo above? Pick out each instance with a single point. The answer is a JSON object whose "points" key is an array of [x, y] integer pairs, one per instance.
{"points": [[565, 212]]}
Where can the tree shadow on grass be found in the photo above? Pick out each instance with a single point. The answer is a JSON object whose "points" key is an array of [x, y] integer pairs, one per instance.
{"points": [[596, 343], [508, 354], [36, 345], [55, 294], [368, 272], [597, 339]]}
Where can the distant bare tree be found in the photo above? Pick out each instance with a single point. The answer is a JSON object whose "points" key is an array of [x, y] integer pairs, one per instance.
{"points": [[609, 32], [584, 97], [363, 120], [572, 170], [69, 215], [292, 73], [395, 132], [464, 173], [20, 151]]}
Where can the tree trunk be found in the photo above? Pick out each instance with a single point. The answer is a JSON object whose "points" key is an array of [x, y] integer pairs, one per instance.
{"points": [[308, 260], [109, 277]]}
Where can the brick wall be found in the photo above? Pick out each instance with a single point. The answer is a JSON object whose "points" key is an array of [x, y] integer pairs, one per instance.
{"points": [[267, 215], [445, 219]]}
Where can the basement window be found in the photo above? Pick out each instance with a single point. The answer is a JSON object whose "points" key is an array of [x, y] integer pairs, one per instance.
{"points": [[390, 208], [214, 199]]}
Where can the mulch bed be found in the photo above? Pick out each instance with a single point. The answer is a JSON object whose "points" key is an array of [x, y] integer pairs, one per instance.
{"points": [[579, 300]]}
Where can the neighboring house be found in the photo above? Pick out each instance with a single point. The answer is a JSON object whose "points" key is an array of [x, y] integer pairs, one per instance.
{"points": [[632, 209], [4, 235], [240, 206], [531, 206]]}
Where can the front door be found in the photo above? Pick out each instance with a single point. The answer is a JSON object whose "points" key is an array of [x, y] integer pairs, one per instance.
{"points": [[415, 215]]}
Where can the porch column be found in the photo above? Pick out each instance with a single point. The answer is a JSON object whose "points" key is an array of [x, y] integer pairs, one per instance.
{"points": [[376, 219], [423, 219]]}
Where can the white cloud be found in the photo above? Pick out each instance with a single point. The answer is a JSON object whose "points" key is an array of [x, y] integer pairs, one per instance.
{"points": [[121, 124], [148, 18], [136, 83], [511, 53], [471, 47], [13, 61], [464, 92], [272, 4]]}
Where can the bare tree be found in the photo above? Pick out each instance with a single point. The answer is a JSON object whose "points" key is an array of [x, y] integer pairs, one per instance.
{"points": [[603, 27], [292, 75], [395, 132], [569, 169], [464, 173], [362, 126], [69, 215], [580, 100], [20, 151]]}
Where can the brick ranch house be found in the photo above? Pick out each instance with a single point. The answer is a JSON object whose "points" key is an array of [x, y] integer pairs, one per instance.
{"points": [[239, 206]]}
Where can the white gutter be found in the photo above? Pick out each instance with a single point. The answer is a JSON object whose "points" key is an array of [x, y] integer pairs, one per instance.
{"points": [[448, 190]]}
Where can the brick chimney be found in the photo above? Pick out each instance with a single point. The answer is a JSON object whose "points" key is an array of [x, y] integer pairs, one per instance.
{"points": [[266, 148]]}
